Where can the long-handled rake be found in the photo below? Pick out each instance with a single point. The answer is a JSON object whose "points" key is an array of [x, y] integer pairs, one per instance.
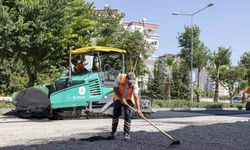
{"points": [[174, 143]]}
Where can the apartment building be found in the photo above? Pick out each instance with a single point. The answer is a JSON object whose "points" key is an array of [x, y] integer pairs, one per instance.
{"points": [[207, 84], [150, 31]]}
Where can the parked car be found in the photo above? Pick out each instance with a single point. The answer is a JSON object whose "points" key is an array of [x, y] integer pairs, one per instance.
{"points": [[237, 99]]}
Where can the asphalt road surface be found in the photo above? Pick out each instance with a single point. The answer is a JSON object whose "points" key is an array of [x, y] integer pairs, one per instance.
{"points": [[196, 130]]}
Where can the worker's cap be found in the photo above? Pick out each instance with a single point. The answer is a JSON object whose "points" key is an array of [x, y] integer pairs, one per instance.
{"points": [[131, 77]]}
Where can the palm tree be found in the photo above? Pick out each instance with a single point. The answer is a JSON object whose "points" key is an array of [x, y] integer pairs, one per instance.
{"points": [[168, 78]]}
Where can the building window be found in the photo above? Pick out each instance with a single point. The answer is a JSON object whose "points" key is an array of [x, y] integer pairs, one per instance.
{"points": [[154, 43], [137, 28]]}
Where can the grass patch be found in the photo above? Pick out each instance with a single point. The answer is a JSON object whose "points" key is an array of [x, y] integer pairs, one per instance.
{"points": [[189, 104], [6, 105]]}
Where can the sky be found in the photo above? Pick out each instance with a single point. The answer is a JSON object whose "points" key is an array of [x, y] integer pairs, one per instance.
{"points": [[226, 24]]}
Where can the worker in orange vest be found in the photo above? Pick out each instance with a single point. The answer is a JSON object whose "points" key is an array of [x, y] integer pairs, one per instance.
{"points": [[79, 66], [125, 89]]}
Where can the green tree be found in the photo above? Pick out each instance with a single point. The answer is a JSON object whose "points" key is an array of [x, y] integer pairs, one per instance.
{"points": [[80, 22], [168, 78], [135, 46], [219, 58], [109, 25], [181, 80], [200, 52], [12, 76], [184, 40], [110, 32], [245, 61], [201, 58], [232, 79], [38, 32], [155, 84], [108, 29]]}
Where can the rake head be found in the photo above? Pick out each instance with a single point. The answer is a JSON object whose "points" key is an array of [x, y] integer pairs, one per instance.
{"points": [[175, 143]]}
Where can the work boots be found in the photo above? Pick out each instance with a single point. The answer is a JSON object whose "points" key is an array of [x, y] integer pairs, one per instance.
{"points": [[112, 136], [126, 137]]}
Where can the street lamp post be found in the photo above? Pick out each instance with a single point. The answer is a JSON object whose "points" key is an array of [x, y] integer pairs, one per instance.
{"points": [[192, 39]]}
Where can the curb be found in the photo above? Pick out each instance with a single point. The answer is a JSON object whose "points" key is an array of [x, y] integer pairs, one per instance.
{"points": [[194, 109], [5, 110]]}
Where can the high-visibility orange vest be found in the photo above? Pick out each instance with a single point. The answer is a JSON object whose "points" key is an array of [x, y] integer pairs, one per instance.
{"points": [[247, 90], [79, 67], [121, 79]]}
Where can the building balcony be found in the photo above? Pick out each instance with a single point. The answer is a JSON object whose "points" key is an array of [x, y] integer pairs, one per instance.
{"points": [[152, 35]]}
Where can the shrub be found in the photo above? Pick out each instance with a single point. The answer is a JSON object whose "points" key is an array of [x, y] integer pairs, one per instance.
{"points": [[6, 105], [189, 104]]}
